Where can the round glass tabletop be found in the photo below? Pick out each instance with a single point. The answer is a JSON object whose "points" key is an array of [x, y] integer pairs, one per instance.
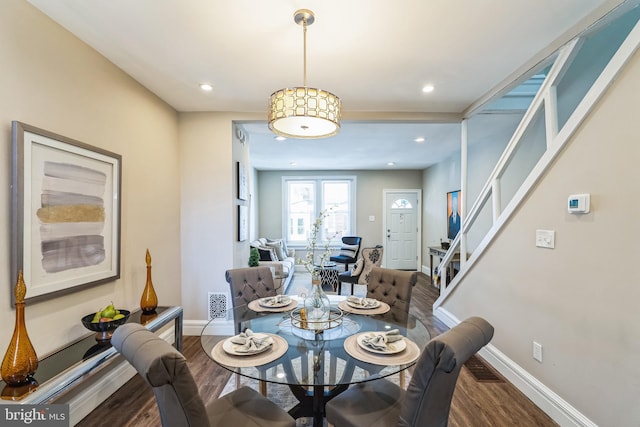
{"points": [[301, 357]]}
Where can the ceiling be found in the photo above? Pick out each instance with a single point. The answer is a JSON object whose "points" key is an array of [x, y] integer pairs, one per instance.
{"points": [[376, 55]]}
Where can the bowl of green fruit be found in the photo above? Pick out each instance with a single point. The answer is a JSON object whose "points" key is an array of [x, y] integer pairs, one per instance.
{"points": [[105, 321]]}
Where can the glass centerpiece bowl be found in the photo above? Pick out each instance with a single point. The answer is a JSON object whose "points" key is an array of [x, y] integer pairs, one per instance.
{"points": [[311, 329]]}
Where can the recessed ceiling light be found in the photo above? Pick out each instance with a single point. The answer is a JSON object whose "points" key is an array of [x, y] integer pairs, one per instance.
{"points": [[391, 163], [206, 87], [292, 163], [428, 88], [419, 139], [279, 138]]}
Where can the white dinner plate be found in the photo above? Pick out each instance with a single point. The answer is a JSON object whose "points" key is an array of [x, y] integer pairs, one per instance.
{"points": [[230, 348], [354, 305], [285, 301], [392, 348]]}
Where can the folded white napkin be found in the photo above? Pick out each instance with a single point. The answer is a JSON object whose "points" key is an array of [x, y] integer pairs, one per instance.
{"points": [[379, 340], [247, 342], [363, 302], [276, 300]]}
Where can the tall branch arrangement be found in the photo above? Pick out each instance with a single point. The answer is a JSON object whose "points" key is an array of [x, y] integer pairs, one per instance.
{"points": [[313, 244]]}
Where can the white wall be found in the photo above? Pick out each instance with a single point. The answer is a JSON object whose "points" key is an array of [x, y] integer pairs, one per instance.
{"points": [[488, 135], [209, 208], [240, 153], [437, 181], [578, 300], [53, 81]]}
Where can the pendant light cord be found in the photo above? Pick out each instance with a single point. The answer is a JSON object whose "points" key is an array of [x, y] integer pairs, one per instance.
{"points": [[304, 41]]}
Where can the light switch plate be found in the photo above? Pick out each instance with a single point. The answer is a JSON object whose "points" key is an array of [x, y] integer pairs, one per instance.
{"points": [[372, 218], [546, 239], [537, 351]]}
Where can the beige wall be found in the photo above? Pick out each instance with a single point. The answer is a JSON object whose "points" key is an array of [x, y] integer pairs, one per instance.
{"points": [[369, 186], [53, 81], [579, 300]]}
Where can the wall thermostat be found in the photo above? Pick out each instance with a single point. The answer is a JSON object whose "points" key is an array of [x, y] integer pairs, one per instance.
{"points": [[579, 203]]}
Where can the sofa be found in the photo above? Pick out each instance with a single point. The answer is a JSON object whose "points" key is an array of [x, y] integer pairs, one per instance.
{"points": [[274, 254]]}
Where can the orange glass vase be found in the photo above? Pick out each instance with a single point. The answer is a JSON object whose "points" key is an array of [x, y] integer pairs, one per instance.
{"points": [[149, 299], [20, 361]]}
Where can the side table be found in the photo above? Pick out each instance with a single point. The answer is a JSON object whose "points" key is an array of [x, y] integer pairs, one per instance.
{"points": [[67, 367], [329, 276]]}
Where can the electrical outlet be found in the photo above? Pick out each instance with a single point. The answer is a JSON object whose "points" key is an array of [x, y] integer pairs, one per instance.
{"points": [[537, 351]]}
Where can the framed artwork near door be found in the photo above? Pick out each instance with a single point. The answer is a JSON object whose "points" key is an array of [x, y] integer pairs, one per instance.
{"points": [[453, 214]]}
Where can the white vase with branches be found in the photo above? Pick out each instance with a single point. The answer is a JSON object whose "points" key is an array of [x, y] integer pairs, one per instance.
{"points": [[316, 305]]}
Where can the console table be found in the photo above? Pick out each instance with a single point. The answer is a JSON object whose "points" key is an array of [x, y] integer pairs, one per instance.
{"points": [[67, 367], [440, 253]]}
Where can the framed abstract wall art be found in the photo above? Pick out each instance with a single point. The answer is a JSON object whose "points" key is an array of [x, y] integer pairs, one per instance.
{"points": [[243, 223], [243, 184], [453, 214], [65, 212]]}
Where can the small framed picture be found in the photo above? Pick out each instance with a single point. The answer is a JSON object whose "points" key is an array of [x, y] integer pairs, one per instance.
{"points": [[243, 223], [243, 184]]}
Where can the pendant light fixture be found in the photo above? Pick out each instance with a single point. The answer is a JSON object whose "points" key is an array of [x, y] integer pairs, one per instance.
{"points": [[304, 112]]}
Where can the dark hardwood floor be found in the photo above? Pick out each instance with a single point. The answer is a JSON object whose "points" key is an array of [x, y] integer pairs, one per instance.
{"points": [[475, 404]]}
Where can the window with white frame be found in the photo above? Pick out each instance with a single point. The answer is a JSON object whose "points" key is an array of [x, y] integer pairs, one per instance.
{"points": [[304, 199]]}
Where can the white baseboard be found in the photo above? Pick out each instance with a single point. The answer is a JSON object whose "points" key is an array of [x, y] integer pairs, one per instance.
{"points": [[195, 327], [426, 270], [106, 382], [545, 398]]}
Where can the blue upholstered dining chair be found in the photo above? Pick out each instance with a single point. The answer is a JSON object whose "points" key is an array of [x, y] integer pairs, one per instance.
{"points": [[348, 252], [427, 400], [176, 392]]}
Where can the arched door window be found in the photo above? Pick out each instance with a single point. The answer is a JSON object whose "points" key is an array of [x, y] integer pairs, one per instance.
{"points": [[401, 204]]}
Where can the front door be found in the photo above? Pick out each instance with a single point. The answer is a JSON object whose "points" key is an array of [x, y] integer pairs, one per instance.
{"points": [[402, 229]]}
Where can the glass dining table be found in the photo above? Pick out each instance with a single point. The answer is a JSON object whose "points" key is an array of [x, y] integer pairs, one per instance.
{"points": [[316, 366]]}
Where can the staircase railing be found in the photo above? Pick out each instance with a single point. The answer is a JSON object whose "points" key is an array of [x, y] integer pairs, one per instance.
{"points": [[555, 138]]}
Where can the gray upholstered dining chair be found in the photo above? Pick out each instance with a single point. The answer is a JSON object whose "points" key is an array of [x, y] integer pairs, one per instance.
{"points": [[392, 286], [427, 400], [176, 392], [248, 284]]}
